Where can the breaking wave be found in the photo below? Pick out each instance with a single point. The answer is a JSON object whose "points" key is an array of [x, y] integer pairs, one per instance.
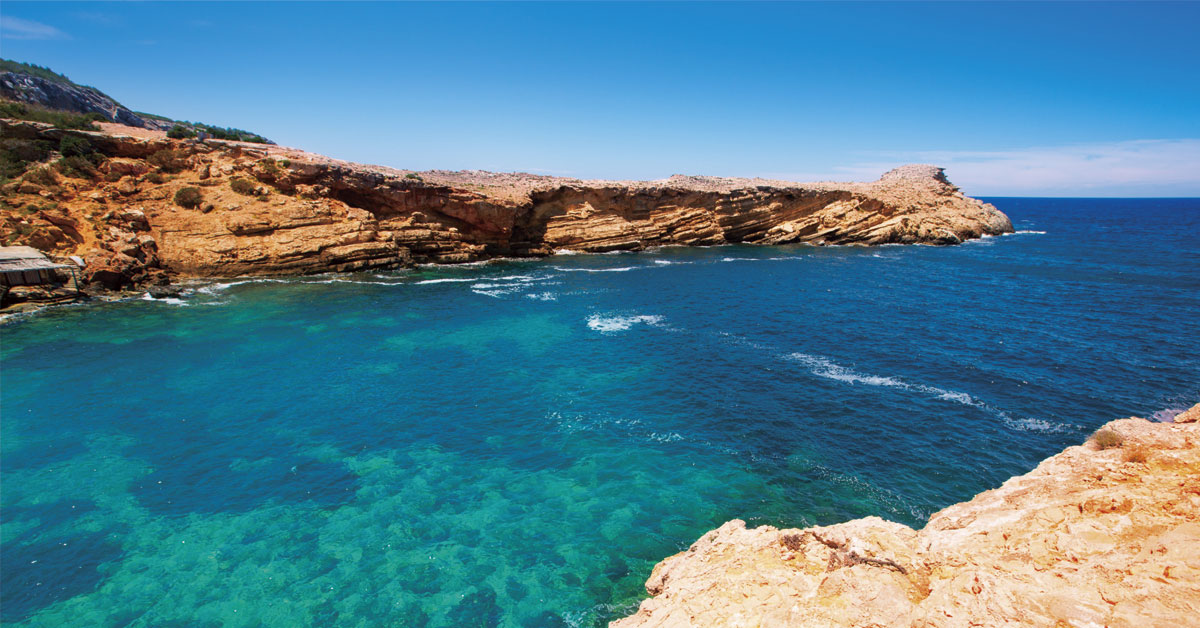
{"points": [[612, 324]]}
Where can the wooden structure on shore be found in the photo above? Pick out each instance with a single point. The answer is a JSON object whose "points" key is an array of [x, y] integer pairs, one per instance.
{"points": [[27, 266]]}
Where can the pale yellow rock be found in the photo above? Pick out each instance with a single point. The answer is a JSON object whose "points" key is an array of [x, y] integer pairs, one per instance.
{"points": [[1090, 538]]}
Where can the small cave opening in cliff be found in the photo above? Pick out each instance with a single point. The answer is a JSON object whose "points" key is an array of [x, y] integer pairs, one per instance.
{"points": [[355, 198]]}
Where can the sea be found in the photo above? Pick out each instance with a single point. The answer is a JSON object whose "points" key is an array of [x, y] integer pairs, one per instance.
{"points": [[519, 442]]}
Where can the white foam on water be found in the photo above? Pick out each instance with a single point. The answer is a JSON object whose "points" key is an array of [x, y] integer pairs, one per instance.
{"points": [[542, 296], [448, 280], [165, 300], [511, 287], [214, 288], [613, 324], [824, 367], [495, 294], [960, 397], [565, 252], [619, 269], [1029, 424]]}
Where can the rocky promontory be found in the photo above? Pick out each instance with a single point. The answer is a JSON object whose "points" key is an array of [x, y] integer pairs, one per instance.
{"points": [[140, 208], [1106, 534]]}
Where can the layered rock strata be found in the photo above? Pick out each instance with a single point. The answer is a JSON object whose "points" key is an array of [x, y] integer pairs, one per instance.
{"points": [[1093, 537], [272, 210]]}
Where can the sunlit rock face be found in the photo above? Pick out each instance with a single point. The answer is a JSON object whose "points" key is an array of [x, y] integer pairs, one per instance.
{"points": [[1092, 537], [260, 209]]}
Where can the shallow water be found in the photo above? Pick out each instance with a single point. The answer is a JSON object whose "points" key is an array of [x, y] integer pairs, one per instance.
{"points": [[518, 443]]}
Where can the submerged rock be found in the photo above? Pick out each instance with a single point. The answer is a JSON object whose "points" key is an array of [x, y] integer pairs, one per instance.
{"points": [[1092, 537]]}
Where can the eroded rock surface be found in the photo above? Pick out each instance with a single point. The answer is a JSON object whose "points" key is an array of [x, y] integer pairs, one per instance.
{"points": [[273, 210], [1092, 537]]}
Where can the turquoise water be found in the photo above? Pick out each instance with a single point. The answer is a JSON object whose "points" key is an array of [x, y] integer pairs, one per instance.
{"points": [[518, 443]]}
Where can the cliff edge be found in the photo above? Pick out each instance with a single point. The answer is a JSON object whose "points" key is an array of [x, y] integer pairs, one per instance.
{"points": [[146, 210], [1102, 534]]}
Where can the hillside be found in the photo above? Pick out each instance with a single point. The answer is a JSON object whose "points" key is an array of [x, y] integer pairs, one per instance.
{"points": [[31, 92]]}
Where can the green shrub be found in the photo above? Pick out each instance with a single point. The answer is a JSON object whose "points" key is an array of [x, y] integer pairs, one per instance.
{"points": [[25, 150], [77, 167], [180, 132], [1107, 439], [59, 119], [39, 71], [168, 160], [155, 177], [270, 168], [41, 176], [414, 176], [243, 186], [228, 133], [189, 197], [71, 146]]}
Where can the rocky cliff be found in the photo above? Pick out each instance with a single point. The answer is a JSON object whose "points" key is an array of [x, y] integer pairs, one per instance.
{"points": [[152, 209], [60, 94], [1106, 534]]}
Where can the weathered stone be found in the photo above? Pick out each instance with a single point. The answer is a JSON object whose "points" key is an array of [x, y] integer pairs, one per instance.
{"points": [[1092, 537]]}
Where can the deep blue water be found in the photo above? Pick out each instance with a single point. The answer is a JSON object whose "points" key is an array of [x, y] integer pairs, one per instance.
{"points": [[518, 443]]}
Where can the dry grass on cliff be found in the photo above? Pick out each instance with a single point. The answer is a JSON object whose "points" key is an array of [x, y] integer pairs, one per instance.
{"points": [[1106, 439], [1137, 454]]}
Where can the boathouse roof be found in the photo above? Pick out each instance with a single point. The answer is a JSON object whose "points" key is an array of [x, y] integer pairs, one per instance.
{"points": [[19, 258]]}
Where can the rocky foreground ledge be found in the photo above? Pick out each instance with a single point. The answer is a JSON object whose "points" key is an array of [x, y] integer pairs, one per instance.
{"points": [[1106, 534], [153, 209]]}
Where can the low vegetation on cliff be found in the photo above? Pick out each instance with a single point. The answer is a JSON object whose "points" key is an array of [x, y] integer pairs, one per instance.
{"points": [[37, 93]]}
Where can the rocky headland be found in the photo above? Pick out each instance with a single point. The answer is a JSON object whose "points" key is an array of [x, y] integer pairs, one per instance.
{"points": [[1105, 534], [142, 209]]}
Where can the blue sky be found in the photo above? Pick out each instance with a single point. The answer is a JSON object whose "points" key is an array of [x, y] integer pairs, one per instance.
{"points": [[1013, 98]]}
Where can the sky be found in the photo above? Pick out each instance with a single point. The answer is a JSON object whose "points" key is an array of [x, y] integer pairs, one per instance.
{"points": [[1013, 99]]}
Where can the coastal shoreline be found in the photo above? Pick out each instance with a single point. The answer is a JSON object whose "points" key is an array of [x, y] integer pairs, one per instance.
{"points": [[156, 210], [1102, 534]]}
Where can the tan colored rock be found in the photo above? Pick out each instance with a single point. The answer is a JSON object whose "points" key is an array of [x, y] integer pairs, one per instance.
{"points": [[309, 214], [1191, 415], [1090, 538], [125, 167]]}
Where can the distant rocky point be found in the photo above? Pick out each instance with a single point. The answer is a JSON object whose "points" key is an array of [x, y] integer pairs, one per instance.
{"points": [[1102, 534], [147, 210]]}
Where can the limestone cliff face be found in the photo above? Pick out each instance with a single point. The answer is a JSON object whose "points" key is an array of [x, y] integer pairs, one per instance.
{"points": [[272, 210], [1092, 537]]}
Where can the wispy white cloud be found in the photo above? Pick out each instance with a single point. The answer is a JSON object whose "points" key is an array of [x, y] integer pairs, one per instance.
{"points": [[1129, 168], [17, 28], [95, 17]]}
